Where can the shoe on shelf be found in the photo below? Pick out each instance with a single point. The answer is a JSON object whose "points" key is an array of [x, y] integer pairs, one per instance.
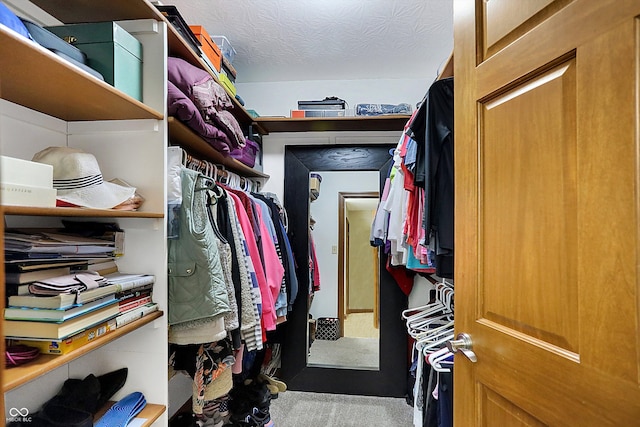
{"points": [[110, 383], [82, 395]]}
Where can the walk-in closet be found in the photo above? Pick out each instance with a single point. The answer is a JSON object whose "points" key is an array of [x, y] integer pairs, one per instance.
{"points": [[417, 213]]}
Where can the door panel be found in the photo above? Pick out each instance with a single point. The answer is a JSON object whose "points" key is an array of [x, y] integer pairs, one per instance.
{"points": [[500, 412], [547, 212], [506, 20], [528, 208]]}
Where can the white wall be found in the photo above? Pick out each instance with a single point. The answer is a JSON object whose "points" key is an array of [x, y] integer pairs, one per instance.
{"points": [[278, 98]]}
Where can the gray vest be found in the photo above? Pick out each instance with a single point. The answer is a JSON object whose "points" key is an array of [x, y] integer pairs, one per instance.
{"points": [[196, 282]]}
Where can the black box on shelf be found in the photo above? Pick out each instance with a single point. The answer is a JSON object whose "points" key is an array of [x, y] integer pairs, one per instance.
{"points": [[173, 16], [326, 104]]}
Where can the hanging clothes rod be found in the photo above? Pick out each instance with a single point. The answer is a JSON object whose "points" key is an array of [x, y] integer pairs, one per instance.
{"points": [[219, 173]]}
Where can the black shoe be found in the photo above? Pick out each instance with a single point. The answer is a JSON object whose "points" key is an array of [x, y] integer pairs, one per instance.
{"points": [[110, 383], [247, 396], [184, 419], [82, 395], [56, 416], [255, 418]]}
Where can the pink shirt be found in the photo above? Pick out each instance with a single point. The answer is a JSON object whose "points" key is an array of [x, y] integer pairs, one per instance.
{"points": [[273, 269], [268, 312]]}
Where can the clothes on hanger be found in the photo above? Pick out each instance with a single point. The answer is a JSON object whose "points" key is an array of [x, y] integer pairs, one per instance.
{"points": [[414, 220], [196, 283], [431, 326], [231, 276], [432, 129]]}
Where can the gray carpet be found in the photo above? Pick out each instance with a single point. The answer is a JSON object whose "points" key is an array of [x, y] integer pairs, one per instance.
{"points": [[347, 352], [302, 409]]}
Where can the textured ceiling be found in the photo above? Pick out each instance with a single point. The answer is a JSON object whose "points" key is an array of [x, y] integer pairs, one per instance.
{"points": [[284, 40]]}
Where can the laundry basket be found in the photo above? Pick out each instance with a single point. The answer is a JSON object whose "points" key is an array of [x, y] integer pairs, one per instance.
{"points": [[328, 328]]}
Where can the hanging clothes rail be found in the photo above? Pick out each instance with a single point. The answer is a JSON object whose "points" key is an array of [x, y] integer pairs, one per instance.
{"points": [[219, 173]]}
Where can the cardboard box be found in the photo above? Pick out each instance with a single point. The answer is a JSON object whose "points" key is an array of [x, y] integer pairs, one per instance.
{"points": [[318, 113], [209, 47], [110, 50], [74, 342]]}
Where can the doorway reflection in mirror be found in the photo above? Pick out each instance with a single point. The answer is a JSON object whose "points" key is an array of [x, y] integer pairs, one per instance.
{"points": [[344, 311]]}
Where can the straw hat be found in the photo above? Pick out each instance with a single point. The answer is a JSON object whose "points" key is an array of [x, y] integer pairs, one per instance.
{"points": [[77, 177]]}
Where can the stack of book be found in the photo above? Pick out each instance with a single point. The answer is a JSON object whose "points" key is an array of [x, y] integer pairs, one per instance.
{"points": [[134, 294], [19, 274], [58, 317]]}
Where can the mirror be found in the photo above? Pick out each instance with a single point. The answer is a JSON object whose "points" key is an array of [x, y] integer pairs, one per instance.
{"points": [[390, 377], [343, 313]]}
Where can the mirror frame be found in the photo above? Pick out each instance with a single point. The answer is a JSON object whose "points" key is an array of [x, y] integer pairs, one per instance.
{"points": [[391, 379]]}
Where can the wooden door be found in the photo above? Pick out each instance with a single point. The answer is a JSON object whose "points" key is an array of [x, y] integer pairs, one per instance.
{"points": [[546, 152]]}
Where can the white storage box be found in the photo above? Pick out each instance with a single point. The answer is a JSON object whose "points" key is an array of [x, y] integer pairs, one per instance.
{"points": [[26, 183]]}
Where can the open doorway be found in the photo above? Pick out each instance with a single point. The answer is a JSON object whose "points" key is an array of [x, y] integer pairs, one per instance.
{"points": [[358, 277]]}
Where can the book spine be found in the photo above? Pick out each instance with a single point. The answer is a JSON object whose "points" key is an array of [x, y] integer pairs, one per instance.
{"points": [[130, 305], [135, 314], [107, 270], [135, 283], [134, 293], [33, 276]]}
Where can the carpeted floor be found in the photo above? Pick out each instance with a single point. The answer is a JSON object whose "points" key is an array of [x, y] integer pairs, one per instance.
{"points": [[347, 352], [302, 409]]}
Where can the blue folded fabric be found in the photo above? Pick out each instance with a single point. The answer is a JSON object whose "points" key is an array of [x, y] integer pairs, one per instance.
{"points": [[381, 109], [9, 19], [123, 411]]}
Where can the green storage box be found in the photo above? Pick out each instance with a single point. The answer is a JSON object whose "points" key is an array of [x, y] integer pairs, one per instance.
{"points": [[110, 50]]}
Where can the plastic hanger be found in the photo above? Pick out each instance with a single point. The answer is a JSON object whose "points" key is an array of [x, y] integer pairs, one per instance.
{"points": [[442, 289], [422, 311], [439, 358], [426, 332], [430, 324]]}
